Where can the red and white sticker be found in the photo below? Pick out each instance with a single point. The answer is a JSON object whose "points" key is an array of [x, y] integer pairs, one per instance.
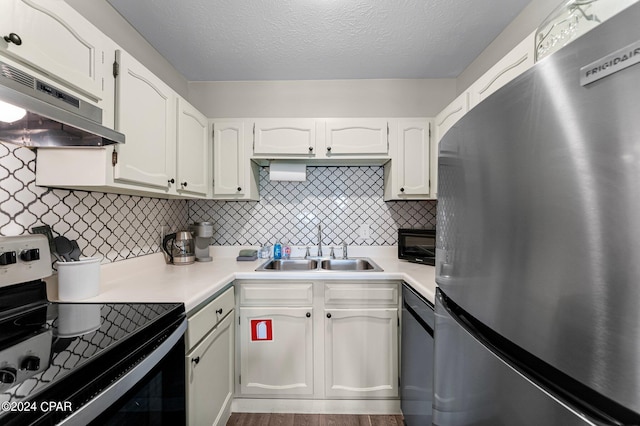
{"points": [[261, 330]]}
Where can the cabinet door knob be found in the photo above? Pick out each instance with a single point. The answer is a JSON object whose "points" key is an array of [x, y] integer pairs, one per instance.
{"points": [[329, 148], [171, 180], [310, 149], [401, 189], [13, 38], [239, 188], [195, 361], [219, 311], [329, 315], [184, 184], [308, 314]]}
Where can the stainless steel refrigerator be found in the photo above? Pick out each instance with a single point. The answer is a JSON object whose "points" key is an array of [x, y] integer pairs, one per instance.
{"points": [[538, 251]]}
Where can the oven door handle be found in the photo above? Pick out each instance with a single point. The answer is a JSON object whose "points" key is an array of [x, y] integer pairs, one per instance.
{"points": [[110, 395]]}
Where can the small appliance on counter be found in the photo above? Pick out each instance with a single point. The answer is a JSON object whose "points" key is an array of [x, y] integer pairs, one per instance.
{"points": [[202, 231], [417, 245], [180, 247]]}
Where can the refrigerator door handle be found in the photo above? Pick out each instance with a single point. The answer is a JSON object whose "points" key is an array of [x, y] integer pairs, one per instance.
{"points": [[578, 398]]}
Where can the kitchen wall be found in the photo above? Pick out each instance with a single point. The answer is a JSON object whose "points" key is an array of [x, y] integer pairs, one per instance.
{"points": [[322, 98], [340, 198], [116, 227]]}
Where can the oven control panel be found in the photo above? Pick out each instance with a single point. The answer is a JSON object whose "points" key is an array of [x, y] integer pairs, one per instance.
{"points": [[24, 258]]}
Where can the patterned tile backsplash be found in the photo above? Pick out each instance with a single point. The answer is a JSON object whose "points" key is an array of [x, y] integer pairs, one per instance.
{"points": [[341, 198], [116, 227], [120, 227]]}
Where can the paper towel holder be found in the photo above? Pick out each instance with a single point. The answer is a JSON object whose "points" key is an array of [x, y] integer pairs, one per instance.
{"points": [[287, 171]]}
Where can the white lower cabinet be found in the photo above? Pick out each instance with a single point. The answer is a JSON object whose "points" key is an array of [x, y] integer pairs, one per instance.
{"points": [[276, 351], [209, 362], [361, 353], [210, 376], [318, 340]]}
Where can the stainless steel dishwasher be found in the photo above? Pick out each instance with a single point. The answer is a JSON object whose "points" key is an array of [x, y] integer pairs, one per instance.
{"points": [[417, 358]]}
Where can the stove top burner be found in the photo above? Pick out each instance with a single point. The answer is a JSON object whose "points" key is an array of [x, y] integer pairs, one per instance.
{"points": [[50, 350], [52, 341]]}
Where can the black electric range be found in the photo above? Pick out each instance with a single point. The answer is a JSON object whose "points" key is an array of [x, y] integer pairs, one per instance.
{"points": [[77, 363]]}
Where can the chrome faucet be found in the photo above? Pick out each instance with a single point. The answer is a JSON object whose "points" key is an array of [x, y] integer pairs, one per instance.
{"points": [[319, 240]]}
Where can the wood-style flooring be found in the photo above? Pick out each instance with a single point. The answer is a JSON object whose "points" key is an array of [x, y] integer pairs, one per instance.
{"points": [[276, 419]]}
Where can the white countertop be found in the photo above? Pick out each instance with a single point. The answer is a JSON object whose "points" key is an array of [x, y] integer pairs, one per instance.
{"points": [[148, 279]]}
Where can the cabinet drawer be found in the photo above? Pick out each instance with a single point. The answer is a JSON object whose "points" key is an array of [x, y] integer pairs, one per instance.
{"points": [[351, 293], [276, 294], [206, 318]]}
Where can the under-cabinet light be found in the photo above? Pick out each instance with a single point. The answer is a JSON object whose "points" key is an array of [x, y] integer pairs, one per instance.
{"points": [[10, 113]]}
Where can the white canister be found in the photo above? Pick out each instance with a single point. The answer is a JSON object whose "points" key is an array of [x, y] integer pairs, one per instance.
{"points": [[78, 280]]}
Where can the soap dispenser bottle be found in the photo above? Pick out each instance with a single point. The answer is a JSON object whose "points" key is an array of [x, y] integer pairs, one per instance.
{"points": [[286, 250]]}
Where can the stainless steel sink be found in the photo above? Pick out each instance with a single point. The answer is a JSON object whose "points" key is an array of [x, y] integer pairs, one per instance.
{"points": [[321, 265], [359, 264], [289, 265]]}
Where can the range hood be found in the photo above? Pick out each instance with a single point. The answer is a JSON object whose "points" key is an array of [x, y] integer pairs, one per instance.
{"points": [[46, 116]]}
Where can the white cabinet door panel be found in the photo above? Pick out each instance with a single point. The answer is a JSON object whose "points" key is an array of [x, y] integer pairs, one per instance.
{"points": [[413, 150], [356, 136], [361, 353], [282, 366], [514, 63], [193, 150], [56, 40], [145, 113], [210, 374], [285, 136], [451, 114], [228, 157]]}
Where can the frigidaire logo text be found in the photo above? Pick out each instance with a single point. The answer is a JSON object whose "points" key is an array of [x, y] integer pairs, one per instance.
{"points": [[612, 63]]}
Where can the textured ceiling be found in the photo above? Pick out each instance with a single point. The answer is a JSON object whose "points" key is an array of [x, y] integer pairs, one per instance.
{"points": [[222, 40]]}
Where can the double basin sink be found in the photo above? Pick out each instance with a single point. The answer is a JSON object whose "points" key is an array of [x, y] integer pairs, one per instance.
{"points": [[360, 264]]}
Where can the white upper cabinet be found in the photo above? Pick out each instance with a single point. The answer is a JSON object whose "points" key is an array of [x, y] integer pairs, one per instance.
{"points": [[284, 137], [51, 37], [145, 113], [338, 139], [228, 157], [193, 151], [356, 136], [517, 61], [408, 175], [413, 157], [446, 119], [451, 114], [235, 176]]}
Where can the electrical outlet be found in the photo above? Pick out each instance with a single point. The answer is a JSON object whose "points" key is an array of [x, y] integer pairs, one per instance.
{"points": [[364, 231]]}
